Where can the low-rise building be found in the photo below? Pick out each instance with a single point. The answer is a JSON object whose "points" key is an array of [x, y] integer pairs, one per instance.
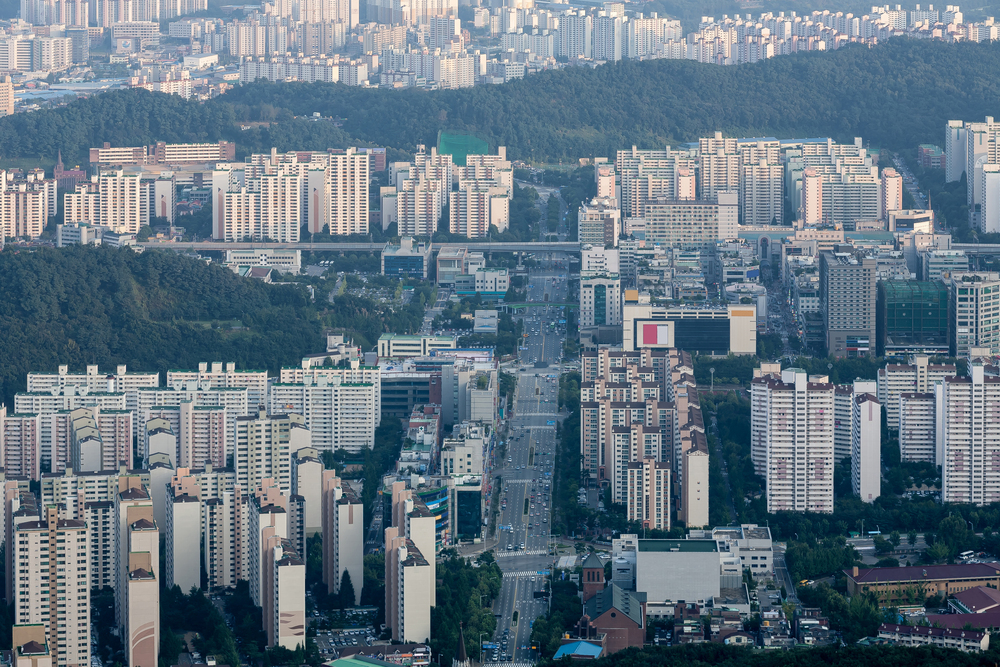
{"points": [[968, 641]]}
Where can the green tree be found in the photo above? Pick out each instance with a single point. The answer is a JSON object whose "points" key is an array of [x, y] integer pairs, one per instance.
{"points": [[347, 597]]}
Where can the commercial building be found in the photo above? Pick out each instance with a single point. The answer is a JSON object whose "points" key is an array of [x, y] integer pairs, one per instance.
{"points": [[912, 317], [399, 346], [847, 302], [866, 447], [600, 299], [969, 437], [409, 259], [690, 224], [939, 264], [600, 222], [705, 330], [453, 262], [490, 284], [975, 300], [795, 415], [672, 570], [58, 604]]}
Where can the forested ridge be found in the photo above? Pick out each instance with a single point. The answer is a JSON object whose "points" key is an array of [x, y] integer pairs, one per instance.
{"points": [[152, 311], [895, 95]]}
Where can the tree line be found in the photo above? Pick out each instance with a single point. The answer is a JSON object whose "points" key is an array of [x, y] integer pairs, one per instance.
{"points": [[894, 95]]}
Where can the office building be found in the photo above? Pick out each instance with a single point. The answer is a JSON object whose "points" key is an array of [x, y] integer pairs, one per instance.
{"points": [[648, 493], [704, 330], [847, 303], [796, 414], [938, 264], [600, 222], [408, 259], [969, 433], [866, 447], [919, 376], [400, 346], [338, 414], [60, 605], [975, 300], [264, 445], [912, 317], [600, 300], [343, 536]]}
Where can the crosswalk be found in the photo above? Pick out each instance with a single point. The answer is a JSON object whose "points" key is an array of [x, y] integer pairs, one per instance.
{"points": [[526, 552], [521, 573], [510, 664]]}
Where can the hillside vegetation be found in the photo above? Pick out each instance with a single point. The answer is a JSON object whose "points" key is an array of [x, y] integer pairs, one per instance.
{"points": [[154, 311], [895, 95]]}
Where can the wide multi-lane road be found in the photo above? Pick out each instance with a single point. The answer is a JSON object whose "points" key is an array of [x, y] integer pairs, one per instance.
{"points": [[523, 548]]}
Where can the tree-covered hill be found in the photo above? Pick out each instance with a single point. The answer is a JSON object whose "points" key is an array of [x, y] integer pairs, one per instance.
{"points": [[154, 311], [895, 95]]}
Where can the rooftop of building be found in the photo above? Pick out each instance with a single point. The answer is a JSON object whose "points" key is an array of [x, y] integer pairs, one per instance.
{"points": [[615, 597], [978, 599], [685, 546], [926, 572], [955, 633]]}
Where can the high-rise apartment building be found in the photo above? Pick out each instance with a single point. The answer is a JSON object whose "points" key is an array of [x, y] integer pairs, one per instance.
{"points": [[476, 206], [919, 376], [307, 482], [648, 493], [975, 312], [866, 447], [891, 194], [264, 445], [847, 303], [408, 576], [354, 372], [917, 427], [795, 413], [21, 444], [343, 535], [51, 586], [137, 592], [267, 518], [93, 380], [811, 212], [762, 193], [183, 532], [189, 434], [339, 415], [112, 199], [218, 375], [969, 437]]}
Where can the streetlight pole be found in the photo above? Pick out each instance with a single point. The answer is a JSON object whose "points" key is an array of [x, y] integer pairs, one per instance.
{"points": [[481, 647], [712, 371]]}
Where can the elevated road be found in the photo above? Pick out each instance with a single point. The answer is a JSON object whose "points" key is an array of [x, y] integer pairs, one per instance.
{"points": [[489, 246], [977, 248]]}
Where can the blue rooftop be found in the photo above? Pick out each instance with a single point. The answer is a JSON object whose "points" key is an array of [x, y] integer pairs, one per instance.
{"points": [[580, 649]]}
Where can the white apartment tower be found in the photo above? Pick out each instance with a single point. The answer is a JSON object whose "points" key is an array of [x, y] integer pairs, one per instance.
{"points": [[919, 376], [811, 212], [339, 415], [264, 446], [183, 532], [60, 603], [796, 412], [648, 493], [343, 535], [218, 374], [969, 436], [762, 195], [891, 195], [917, 427], [866, 447]]}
